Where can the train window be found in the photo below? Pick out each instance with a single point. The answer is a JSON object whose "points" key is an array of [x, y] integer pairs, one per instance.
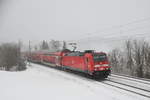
{"points": [[100, 57], [75, 54], [70, 54], [48, 54], [65, 54]]}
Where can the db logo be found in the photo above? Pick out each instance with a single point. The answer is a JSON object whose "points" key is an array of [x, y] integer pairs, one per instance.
{"points": [[72, 62]]}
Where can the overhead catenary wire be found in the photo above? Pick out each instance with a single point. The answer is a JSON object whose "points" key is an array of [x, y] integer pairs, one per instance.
{"points": [[119, 28]]}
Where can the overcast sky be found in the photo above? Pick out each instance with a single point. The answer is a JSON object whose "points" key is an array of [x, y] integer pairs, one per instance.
{"points": [[65, 19]]}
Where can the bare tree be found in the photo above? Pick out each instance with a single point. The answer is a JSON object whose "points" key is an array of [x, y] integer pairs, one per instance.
{"points": [[55, 45], [146, 54], [129, 56], [64, 45], [115, 58], [44, 45], [138, 57]]}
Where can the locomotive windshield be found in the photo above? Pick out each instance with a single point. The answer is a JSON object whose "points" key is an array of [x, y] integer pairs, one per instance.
{"points": [[100, 57]]}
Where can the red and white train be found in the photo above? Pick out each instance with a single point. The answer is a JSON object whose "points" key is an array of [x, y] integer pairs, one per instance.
{"points": [[89, 62]]}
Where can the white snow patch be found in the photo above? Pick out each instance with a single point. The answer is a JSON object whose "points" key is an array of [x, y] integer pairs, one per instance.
{"points": [[41, 83]]}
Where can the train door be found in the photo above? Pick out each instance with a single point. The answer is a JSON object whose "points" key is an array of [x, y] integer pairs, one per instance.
{"points": [[88, 63], [58, 60]]}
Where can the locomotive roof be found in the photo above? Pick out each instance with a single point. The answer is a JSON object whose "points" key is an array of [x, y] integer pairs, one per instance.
{"points": [[68, 52], [78, 53]]}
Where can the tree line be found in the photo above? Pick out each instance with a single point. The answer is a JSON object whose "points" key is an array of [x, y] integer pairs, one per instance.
{"points": [[133, 59], [53, 45], [10, 57]]}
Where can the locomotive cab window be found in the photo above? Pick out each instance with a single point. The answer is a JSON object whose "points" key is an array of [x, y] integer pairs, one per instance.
{"points": [[99, 57]]}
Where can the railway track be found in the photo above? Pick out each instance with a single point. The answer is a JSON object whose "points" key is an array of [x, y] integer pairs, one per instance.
{"points": [[140, 87], [119, 85], [145, 85], [129, 85], [133, 90], [131, 79]]}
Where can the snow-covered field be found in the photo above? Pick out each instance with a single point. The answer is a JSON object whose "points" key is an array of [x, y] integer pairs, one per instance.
{"points": [[42, 83]]}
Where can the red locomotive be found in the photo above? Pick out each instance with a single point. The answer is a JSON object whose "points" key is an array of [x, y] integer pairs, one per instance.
{"points": [[89, 62]]}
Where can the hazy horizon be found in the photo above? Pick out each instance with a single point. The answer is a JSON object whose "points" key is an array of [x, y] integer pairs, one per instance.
{"points": [[38, 20]]}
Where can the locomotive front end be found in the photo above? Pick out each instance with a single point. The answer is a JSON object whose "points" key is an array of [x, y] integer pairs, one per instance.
{"points": [[101, 66]]}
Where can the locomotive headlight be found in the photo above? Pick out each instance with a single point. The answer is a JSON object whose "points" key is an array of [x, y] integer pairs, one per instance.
{"points": [[105, 65], [97, 66], [101, 65]]}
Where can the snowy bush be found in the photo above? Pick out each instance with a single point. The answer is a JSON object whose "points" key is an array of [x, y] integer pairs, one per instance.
{"points": [[10, 56]]}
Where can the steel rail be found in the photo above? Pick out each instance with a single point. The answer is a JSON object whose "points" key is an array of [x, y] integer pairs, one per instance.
{"points": [[131, 79], [144, 79], [126, 89]]}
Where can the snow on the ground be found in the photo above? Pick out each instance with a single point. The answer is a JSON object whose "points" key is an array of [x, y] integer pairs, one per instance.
{"points": [[42, 83]]}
